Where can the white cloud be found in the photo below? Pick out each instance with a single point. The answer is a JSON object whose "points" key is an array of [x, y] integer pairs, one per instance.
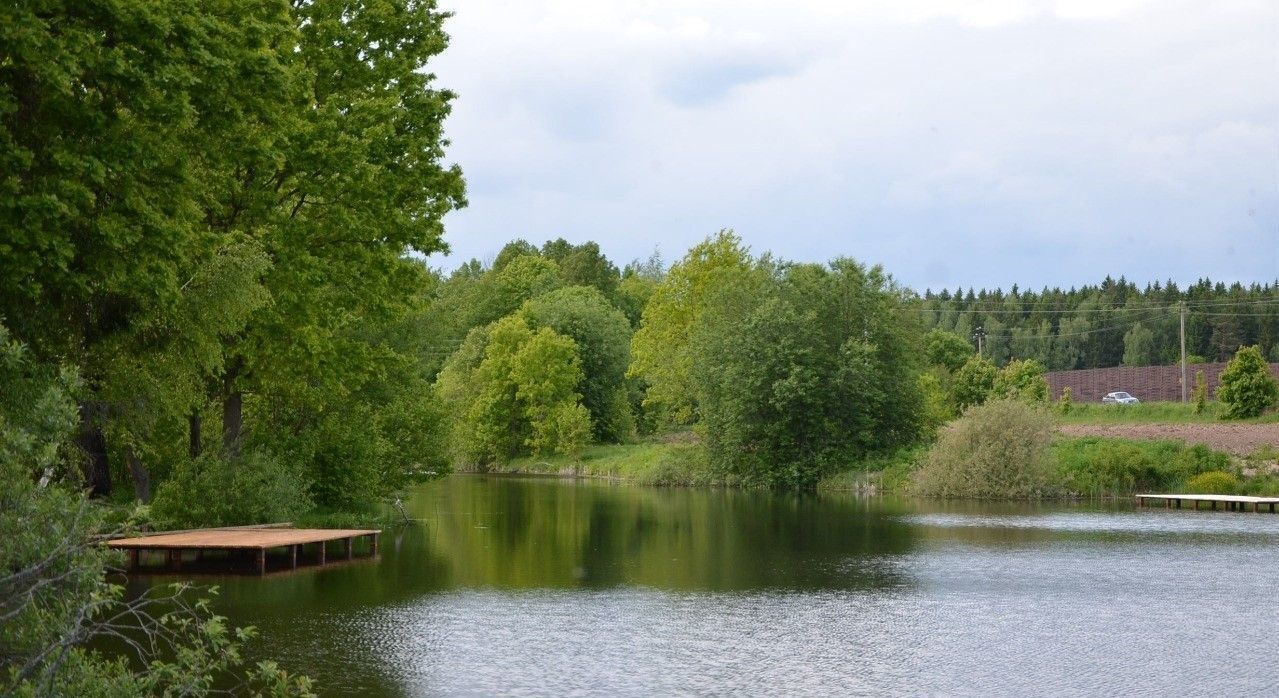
{"points": [[1069, 138]]}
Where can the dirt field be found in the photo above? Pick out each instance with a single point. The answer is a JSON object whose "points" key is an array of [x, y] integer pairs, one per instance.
{"points": [[1239, 439]]}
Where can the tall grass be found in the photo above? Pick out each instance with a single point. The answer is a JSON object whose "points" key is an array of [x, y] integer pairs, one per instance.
{"points": [[1094, 467], [1151, 413]]}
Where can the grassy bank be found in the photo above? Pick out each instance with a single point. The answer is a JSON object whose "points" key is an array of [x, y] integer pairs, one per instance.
{"points": [[650, 462], [1084, 467], [1098, 467], [1153, 413]]}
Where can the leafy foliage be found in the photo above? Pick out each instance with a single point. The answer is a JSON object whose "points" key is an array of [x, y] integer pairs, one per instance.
{"points": [[55, 599], [996, 450], [215, 491], [1095, 466], [801, 367], [1111, 323], [1200, 393], [661, 350], [508, 387], [1247, 389], [1213, 482], [1023, 380], [1066, 403], [602, 336], [946, 349], [974, 382]]}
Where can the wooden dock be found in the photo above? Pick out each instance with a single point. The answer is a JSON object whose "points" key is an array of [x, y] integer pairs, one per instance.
{"points": [[1229, 502], [256, 542]]}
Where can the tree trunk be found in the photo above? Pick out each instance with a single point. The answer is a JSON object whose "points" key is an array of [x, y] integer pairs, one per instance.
{"points": [[141, 478], [97, 470], [232, 424], [195, 424]]}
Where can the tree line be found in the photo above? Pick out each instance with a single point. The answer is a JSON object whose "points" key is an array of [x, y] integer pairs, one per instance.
{"points": [[209, 211], [212, 218], [785, 369], [1110, 324]]}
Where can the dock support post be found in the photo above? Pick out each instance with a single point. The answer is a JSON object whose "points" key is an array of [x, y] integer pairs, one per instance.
{"points": [[174, 559], [375, 536], [1178, 503], [348, 547], [321, 544], [293, 556], [261, 560], [1214, 505], [1196, 505]]}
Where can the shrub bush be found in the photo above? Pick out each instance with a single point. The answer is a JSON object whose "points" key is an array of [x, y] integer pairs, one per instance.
{"points": [[213, 491], [1213, 482], [1108, 468], [1097, 466], [1066, 402], [974, 382], [1022, 379], [1200, 393], [1247, 388], [996, 450]]}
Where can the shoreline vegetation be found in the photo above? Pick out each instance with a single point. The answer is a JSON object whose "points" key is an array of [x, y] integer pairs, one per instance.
{"points": [[1099, 467]]}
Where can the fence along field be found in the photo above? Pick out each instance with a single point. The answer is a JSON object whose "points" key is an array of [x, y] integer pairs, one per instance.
{"points": [[1147, 383]]}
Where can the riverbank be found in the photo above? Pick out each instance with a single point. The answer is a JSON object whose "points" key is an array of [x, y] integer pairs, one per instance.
{"points": [[677, 461], [1086, 466]]}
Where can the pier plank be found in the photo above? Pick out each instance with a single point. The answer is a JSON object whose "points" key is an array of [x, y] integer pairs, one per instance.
{"points": [[238, 539]]}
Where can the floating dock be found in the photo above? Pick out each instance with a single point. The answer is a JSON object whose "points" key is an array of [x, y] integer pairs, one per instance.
{"points": [[1229, 502], [238, 542]]}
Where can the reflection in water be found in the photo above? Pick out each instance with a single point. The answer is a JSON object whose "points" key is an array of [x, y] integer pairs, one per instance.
{"points": [[544, 586], [519, 533]]}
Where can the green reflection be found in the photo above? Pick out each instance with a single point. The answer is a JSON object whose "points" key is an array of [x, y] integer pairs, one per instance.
{"points": [[526, 533]]}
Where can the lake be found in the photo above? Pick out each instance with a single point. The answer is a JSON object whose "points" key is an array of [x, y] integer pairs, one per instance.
{"points": [[523, 586]]}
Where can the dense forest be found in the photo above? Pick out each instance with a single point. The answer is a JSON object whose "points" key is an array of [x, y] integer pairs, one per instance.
{"points": [[1114, 323]]}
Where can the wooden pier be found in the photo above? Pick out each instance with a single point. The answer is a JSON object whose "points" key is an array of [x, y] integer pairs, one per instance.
{"points": [[1228, 502], [237, 542]]}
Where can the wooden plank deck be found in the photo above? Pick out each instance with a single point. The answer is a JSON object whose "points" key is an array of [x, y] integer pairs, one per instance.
{"points": [[254, 540], [1232, 502]]}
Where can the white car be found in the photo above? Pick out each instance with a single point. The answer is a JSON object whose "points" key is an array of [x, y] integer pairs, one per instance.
{"points": [[1119, 399]]}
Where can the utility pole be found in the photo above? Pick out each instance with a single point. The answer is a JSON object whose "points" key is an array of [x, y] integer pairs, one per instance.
{"points": [[979, 334], [1183, 351]]}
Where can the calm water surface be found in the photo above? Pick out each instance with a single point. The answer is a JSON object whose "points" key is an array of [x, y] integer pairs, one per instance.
{"points": [[520, 586]]}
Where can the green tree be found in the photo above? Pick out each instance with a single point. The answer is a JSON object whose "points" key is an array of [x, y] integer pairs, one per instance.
{"points": [[661, 349], [804, 368], [1139, 346], [56, 602], [639, 281], [1023, 380], [602, 335], [1246, 387], [117, 126], [357, 186], [946, 349], [1200, 393], [974, 382], [584, 265], [507, 387]]}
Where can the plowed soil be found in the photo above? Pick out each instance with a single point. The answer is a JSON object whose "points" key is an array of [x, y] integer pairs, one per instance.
{"points": [[1238, 439]]}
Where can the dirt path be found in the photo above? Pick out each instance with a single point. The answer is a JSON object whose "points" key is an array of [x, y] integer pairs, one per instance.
{"points": [[1239, 439]]}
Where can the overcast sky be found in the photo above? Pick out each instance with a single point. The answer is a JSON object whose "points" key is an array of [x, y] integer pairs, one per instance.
{"points": [[958, 144]]}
